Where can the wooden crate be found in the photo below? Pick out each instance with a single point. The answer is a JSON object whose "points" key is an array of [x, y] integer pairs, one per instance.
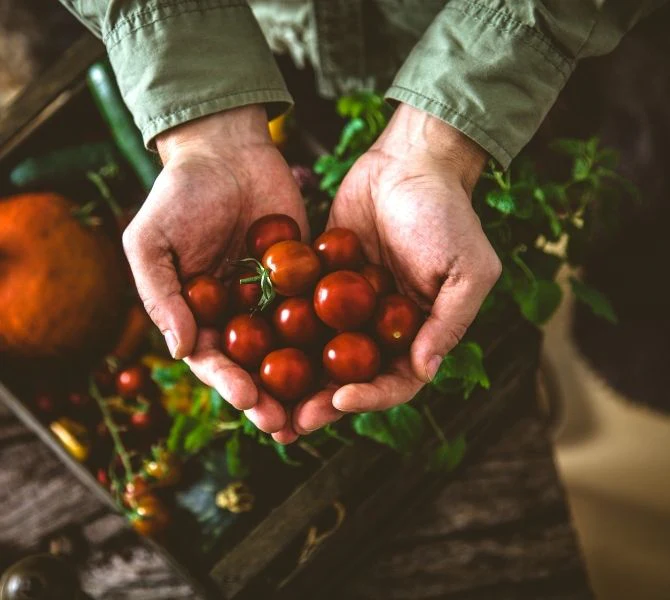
{"points": [[369, 483]]}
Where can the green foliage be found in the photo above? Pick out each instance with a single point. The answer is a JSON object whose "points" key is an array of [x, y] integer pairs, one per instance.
{"points": [[400, 427], [462, 370], [448, 455], [368, 114], [596, 301]]}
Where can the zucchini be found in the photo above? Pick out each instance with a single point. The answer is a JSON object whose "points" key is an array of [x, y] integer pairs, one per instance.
{"points": [[64, 165], [103, 86]]}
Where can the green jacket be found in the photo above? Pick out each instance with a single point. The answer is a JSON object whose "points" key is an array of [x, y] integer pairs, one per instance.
{"points": [[491, 68]]}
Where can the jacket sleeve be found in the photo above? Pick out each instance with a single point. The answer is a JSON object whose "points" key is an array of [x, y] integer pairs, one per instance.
{"points": [[177, 60], [493, 68]]}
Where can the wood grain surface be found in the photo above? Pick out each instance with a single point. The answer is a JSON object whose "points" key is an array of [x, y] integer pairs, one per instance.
{"points": [[500, 530]]}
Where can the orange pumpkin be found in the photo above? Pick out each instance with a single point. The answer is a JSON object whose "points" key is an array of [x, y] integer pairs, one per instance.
{"points": [[62, 284]]}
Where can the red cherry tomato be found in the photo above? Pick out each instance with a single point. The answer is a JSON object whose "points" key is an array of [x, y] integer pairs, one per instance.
{"points": [[287, 374], [134, 490], [133, 381], [380, 278], [344, 300], [293, 267], [207, 298], [338, 249], [296, 322], [351, 358], [247, 339], [397, 321], [244, 296], [142, 420], [269, 230]]}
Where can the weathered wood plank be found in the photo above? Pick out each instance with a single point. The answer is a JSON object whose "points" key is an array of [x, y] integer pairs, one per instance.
{"points": [[48, 93]]}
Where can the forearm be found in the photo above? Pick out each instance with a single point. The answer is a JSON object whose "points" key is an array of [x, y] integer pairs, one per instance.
{"points": [[178, 61], [494, 68]]}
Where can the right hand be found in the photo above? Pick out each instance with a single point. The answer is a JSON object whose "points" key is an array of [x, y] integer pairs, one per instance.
{"points": [[221, 173]]}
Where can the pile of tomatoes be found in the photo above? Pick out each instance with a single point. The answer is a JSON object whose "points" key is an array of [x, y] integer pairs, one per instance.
{"points": [[301, 316]]}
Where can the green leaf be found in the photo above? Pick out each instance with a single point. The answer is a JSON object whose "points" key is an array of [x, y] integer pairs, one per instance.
{"points": [[180, 427], [373, 425], [406, 425], [215, 403], [237, 467], [168, 376], [465, 363], [198, 437], [448, 455], [538, 300], [592, 147], [282, 452], [570, 147], [502, 200], [581, 169], [351, 130], [594, 299], [554, 222]]}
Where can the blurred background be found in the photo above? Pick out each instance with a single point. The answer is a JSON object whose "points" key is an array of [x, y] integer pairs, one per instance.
{"points": [[604, 385]]}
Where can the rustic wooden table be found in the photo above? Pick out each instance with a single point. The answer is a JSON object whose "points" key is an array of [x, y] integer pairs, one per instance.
{"points": [[500, 530]]}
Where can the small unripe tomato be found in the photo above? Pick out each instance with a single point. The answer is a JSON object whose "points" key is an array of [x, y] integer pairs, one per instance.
{"points": [[268, 230], [207, 298], [247, 339], [344, 300], [287, 374], [293, 267], [133, 381], [339, 248], [380, 278], [351, 358], [296, 322], [134, 490], [151, 517], [164, 469], [396, 322]]}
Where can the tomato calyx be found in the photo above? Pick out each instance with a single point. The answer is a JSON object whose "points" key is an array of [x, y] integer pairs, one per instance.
{"points": [[262, 277]]}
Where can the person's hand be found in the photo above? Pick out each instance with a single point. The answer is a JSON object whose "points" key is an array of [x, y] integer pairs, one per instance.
{"points": [[220, 174], [409, 200]]}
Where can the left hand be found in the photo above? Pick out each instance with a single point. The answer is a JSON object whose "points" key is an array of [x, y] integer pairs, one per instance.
{"points": [[409, 200]]}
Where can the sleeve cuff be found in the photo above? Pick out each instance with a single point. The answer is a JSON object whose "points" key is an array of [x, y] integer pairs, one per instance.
{"points": [[492, 77], [181, 60]]}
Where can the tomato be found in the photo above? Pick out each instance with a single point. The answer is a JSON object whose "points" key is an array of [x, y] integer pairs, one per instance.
{"points": [[269, 230], [293, 266], [73, 436], [47, 404], [150, 517], [397, 320], [134, 490], [247, 339], [344, 300], [164, 469], [339, 248], [103, 477], [287, 374], [244, 296], [296, 322], [142, 420], [133, 381], [207, 298], [351, 358], [380, 278]]}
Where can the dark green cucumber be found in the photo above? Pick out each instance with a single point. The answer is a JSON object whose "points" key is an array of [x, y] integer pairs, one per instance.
{"points": [[64, 165], [103, 86]]}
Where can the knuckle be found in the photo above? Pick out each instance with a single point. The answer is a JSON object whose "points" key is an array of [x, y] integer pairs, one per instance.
{"points": [[492, 268], [130, 239]]}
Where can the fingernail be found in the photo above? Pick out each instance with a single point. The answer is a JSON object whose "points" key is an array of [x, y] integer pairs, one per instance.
{"points": [[432, 366], [172, 343]]}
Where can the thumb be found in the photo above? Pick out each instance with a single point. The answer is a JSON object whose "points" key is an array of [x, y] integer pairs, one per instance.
{"points": [[159, 288], [455, 308]]}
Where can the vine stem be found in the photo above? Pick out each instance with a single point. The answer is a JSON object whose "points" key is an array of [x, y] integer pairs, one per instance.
{"points": [[105, 192], [112, 428], [433, 424]]}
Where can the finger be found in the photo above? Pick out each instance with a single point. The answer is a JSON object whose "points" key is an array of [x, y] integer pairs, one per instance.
{"points": [[315, 412], [397, 386], [285, 436], [453, 311], [151, 262], [213, 368], [268, 415]]}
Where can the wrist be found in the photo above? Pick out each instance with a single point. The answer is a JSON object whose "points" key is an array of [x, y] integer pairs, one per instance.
{"points": [[214, 134], [413, 133]]}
